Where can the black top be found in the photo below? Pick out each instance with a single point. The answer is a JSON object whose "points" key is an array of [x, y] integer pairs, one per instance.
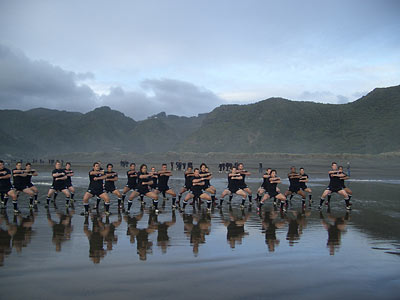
{"points": [[141, 181], [188, 180], [196, 188], [303, 184], [28, 178], [132, 181], [335, 182], [96, 184], [163, 180], [110, 184], [242, 182], [265, 182], [272, 186], [18, 181], [62, 174], [294, 182], [206, 181], [68, 180], [5, 183]]}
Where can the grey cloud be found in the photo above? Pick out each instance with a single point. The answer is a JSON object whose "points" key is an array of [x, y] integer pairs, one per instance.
{"points": [[172, 96], [323, 96], [26, 83]]}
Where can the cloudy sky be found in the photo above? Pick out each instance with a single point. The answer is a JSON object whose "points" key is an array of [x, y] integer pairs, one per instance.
{"points": [[187, 56]]}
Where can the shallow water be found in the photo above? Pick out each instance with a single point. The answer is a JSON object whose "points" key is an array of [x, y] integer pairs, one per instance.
{"points": [[229, 253]]}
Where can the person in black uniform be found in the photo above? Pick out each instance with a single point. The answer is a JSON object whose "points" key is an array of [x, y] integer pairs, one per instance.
{"points": [[335, 186], [29, 173], [59, 184], [163, 177], [234, 182], [6, 188], [197, 190], [109, 185], [20, 183], [144, 183], [96, 188], [204, 172], [346, 177], [273, 191], [294, 185], [303, 180], [242, 183], [188, 183], [69, 173], [154, 178], [130, 185], [264, 186]]}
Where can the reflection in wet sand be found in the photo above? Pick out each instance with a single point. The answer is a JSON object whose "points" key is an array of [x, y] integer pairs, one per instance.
{"points": [[335, 227]]}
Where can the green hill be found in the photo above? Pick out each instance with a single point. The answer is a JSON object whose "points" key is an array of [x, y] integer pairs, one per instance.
{"points": [[368, 125]]}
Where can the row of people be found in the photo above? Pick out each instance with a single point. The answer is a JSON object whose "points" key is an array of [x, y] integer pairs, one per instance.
{"points": [[151, 183]]}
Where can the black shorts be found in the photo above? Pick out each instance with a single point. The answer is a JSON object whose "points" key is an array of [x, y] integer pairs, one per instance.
{"points": [[143, 190], [163, 188], [30, 184], [334, 189], [196, 193], [20, 188], [154, 187], [303, 187], [58, 187], [68, 184], [233, 190], [272, 193], [95, 192], [5, 190], [187, 187], [131, 186], [109, 189], [294, 189]]}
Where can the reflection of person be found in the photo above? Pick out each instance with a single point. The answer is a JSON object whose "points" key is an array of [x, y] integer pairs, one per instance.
{"points": [[144, 246], [235, 228], [162, 230], [96, 239], [296, 225], [269, 225], [23, 231], [197, 227], [5, 237], [335, 226], [61, 230], [109, 230]]}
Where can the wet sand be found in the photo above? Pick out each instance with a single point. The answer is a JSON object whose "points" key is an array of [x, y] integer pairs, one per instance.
{"points": [[229, 253]]}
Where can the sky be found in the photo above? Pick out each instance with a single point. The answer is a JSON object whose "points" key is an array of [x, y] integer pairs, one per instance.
{"points": [[187, 57]]}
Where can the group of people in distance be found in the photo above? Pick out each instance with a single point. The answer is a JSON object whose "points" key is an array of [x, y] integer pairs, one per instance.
{"points": [[151, 183]]}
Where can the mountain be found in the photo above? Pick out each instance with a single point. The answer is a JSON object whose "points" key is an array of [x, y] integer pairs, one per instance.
{"points": [[368, 125]]}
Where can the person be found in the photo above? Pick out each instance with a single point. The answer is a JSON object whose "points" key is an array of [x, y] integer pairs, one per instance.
{"points": [[59, 184], [348, 168], [20, 183], [188, 183], [346, 177], [109, 185], [144, 183], [6, 188], [335, 186], [204, 172], [242, 183], [234, 182], [29, 173], [154, 178], [273, 191], [303, 186], [163, 177], [69, 173], [197, 190], [130, 185], [264, 186], [294, 186], [96, 188], [260, 167]]}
